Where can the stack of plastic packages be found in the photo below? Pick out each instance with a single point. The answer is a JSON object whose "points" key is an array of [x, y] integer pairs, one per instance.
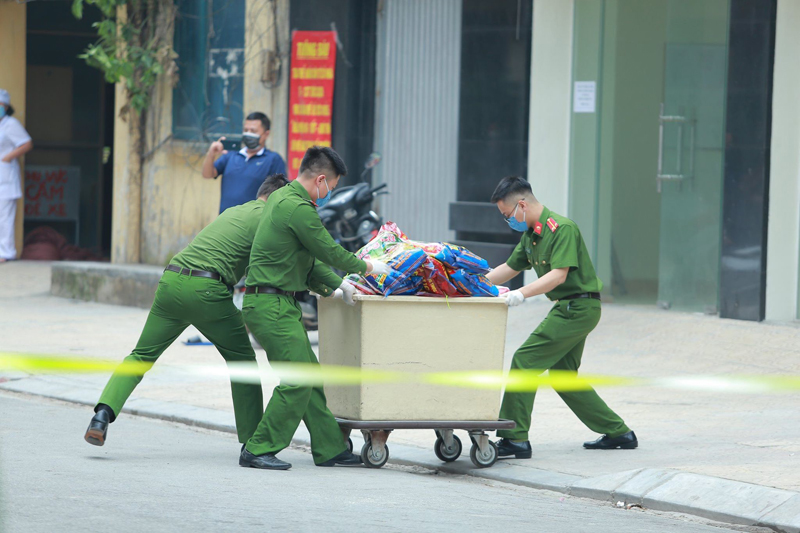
{"points": [[425, 269]]}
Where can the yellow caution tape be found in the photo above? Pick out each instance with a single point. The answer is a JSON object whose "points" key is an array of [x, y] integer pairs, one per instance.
{"points": [[48, 364], [315, 375], [730, 383], [312, 374], [299, 373], [525, 380]]}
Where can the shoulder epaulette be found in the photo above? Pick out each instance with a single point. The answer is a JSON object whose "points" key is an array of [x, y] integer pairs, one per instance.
{"points": [[309, 202], [552, 224]]}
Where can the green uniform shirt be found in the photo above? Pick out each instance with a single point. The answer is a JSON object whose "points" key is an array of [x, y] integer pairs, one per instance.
{"points": [[556, 242], [224, 245], [289, 239]]}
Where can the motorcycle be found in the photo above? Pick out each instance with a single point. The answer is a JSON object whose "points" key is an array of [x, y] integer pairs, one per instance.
{"points": [[352, 223]]}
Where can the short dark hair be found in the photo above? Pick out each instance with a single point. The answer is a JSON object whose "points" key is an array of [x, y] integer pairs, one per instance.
{"points": [[272, 184], [323, 160], [9, 110], [258, 115], [509, 186]]}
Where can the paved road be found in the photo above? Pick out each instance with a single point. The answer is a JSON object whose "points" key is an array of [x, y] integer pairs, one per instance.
{"points": [[735, 435], [157, 476]]}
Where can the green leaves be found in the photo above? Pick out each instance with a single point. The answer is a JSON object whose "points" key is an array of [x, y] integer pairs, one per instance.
{"points": [[123, 53], [107, 7], [77, 9]]}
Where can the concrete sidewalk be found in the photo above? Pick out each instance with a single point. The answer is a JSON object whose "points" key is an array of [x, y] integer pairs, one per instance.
{"points": [[725, 455]]}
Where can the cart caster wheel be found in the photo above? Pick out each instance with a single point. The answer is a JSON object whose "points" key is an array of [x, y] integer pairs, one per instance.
{"points": [[446, 455], [349, 445], [482, 460], [371, 459]]}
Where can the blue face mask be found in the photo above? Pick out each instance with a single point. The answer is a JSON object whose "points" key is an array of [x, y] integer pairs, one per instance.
{"points": [[324, 200], [515, 224], [2, 111]]}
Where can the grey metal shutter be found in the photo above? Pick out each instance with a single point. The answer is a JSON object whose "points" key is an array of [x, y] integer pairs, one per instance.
{"points": [[417, 109]]}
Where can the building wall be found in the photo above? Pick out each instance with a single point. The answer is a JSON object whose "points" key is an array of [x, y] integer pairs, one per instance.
{"points": [[13, 24], [177, 201], [155, 221], [551, 81], [590, 63], [127, 196], [551, 90], [260, 38], [783, 240], [742, 287]]}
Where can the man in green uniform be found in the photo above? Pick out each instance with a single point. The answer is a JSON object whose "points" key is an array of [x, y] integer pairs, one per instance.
{"points": [[282, 262], [552, 245], [196, 289]]}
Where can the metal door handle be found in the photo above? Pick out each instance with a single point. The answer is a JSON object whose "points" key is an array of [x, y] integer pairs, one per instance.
{"points": [[682, 122]]}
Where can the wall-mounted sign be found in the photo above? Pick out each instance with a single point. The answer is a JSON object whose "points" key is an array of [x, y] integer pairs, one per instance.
{"points": [[311, 93], [584, 96], [52, 192]]}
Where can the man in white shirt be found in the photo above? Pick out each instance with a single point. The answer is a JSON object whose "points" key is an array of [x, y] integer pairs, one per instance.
{"points": [[14, 142]]}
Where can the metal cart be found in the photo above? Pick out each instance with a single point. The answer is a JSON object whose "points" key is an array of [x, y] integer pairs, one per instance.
{"points": [[375, 452]]}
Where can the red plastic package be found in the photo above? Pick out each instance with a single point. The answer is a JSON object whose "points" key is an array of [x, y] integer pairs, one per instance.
{"points": [[435, 279]]}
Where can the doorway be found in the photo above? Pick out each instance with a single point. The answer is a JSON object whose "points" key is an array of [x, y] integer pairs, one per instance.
{"points": [[660, 151], [70, 116]]}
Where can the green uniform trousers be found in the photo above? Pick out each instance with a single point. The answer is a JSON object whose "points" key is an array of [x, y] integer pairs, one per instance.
{"points": [[276, 322], [558, 344], [206, 304]]}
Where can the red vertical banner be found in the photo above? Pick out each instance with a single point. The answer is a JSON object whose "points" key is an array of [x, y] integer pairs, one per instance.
{"points": [[311, 93]]}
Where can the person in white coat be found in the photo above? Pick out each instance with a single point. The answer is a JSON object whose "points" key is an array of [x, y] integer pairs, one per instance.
{"points": [[14, 142]]}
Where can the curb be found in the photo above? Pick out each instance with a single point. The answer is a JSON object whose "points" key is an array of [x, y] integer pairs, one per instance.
{"points": [[708, 497]]}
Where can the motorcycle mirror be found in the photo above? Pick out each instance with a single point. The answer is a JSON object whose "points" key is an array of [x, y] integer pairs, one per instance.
{"points": [[373, 160]]}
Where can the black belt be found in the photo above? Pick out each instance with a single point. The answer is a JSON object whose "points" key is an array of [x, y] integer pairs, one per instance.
{"points": [[263, 289], [592, 295], [195, 273]]}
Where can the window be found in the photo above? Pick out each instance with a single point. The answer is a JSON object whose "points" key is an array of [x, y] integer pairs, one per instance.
{"points": [[493, 117], [209, 95]]}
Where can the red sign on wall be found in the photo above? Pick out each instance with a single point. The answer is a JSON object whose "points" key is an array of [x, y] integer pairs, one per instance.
{"points": [[311, 93], [52, 192]]}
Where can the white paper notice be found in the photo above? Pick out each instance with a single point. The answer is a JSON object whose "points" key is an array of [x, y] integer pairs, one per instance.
{"points": [[583, 97]]}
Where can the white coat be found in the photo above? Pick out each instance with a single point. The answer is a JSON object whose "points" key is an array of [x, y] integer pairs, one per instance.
{"points": [[12, 136]]}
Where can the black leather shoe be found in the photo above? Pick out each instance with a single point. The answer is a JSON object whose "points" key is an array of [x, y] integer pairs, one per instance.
{"points": [[267, 461], [627, 441], [98, 428], [520, 450], [346, 458]]}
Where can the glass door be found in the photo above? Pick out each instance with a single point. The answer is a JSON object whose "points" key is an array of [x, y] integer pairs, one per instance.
{"points": [[691, 154]]}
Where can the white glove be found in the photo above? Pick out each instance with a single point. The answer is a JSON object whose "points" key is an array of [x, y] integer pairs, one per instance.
{"points": [[380, 269], [347, 292], [337, 294], [514, 298]]}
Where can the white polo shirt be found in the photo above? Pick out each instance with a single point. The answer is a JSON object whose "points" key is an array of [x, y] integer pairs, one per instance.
{"points": [[12, 136]]}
